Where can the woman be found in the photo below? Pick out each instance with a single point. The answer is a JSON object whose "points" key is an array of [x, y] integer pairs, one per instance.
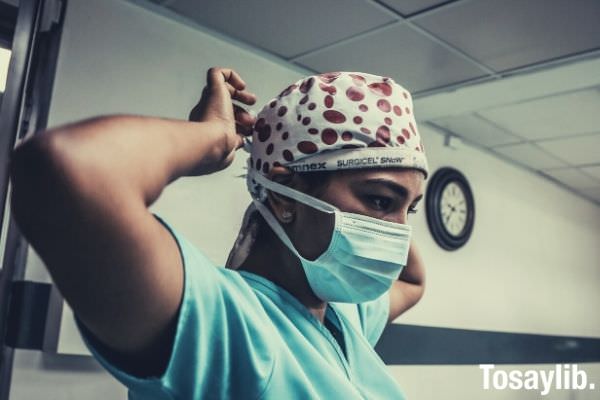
{"points": [[336, 165]]}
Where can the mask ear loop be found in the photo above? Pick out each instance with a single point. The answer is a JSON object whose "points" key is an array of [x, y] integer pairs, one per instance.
{"points": [[292, 193], [247, 145], [265, 183], [274, 224]]}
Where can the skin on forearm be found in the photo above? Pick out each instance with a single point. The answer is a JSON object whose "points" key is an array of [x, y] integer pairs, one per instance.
{"points": [[409, 287], [118, 147], [414, 272]]}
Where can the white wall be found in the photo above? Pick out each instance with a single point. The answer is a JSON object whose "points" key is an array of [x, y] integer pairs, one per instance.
{"points": [[532, 264]]}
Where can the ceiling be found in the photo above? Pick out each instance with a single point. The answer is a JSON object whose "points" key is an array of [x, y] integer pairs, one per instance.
{"points": [[456, 57], [517, 79]]}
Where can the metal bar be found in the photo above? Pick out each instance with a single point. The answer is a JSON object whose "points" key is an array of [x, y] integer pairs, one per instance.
{"points": [[29, 87]]}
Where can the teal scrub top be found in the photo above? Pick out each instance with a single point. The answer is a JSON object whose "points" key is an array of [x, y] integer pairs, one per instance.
{"points": [[240, 336]]}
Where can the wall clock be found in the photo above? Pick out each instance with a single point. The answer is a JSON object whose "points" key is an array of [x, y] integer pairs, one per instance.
{"points": [[450, 208]]}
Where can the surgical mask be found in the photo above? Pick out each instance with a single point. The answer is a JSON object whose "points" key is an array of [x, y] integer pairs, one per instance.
{"points": [[364, 257]]}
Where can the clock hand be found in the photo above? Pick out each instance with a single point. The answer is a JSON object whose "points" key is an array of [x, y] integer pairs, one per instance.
{"points": [[448, 217]]}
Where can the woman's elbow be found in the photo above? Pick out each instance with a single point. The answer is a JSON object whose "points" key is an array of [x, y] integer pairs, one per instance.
{"points": [[33, 170]]}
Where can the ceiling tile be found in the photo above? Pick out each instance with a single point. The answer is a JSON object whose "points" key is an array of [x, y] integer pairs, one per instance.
{"points": [[477, 129], [576, 150], [411, 59], [554, 116], [409, 7], [529, 155], [514, 33], [593, 171], [285, 27], [572, 177], [593, 193]]}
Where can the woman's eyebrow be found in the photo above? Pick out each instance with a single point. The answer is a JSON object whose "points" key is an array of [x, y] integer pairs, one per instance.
{"points": [[395, 187]]}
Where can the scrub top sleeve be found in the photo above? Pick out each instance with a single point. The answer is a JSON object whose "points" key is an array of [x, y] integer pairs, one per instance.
{"points": [[374, 317], [220, 349]]}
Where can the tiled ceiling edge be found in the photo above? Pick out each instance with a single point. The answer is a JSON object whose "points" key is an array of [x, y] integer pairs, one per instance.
{"points": [[444, 132], [579, 75], [452, 87], [568, 188], [552, 63], [408, 21], [172, 15], [360, 35]]}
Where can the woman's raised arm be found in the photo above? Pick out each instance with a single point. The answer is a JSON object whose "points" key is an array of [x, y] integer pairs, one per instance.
{"points": [[80, 196]]}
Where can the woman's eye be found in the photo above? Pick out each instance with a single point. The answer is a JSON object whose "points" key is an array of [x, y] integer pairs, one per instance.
{"points": [[379, 202]]}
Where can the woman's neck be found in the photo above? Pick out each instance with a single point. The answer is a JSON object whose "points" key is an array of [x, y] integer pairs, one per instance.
{"points": [[271, 259]]}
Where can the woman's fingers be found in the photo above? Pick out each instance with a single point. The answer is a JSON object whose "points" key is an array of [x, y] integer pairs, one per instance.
{"points": [[242, 116], [244, 96], [234, 83], [217, 75], [243, 130]]}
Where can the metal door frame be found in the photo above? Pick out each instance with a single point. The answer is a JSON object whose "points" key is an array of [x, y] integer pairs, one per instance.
{"points": [[24, 111]]}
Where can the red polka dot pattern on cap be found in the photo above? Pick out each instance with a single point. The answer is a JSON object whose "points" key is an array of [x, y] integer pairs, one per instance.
{"points": [[380, 88], [383, 134], [328, 101], [287, 90], [263, 129], [384, 105], [358, 80], [329, 77], [307, 84], [307, 147], [329, 136], [329, 89], [329, 115], [355, 94], [334, 116]]}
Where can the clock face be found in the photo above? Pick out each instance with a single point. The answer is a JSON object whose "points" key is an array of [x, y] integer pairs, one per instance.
{"points": [[450, 208], [453, 208]]}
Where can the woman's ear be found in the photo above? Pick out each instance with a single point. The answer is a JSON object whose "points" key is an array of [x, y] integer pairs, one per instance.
{"points": [[283, 207]]}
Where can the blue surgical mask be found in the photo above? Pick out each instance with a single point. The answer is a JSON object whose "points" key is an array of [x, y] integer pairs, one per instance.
{"points": [[364, 257]]}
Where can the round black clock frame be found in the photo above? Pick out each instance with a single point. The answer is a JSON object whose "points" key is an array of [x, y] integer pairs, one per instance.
{"points": [[445, 239]]}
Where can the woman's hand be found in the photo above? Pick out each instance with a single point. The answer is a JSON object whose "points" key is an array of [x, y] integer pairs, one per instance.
{"points": [[222, 86]]}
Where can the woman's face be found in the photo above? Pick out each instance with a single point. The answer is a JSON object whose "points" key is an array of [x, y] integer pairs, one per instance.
{"points": [[385, 193]]}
